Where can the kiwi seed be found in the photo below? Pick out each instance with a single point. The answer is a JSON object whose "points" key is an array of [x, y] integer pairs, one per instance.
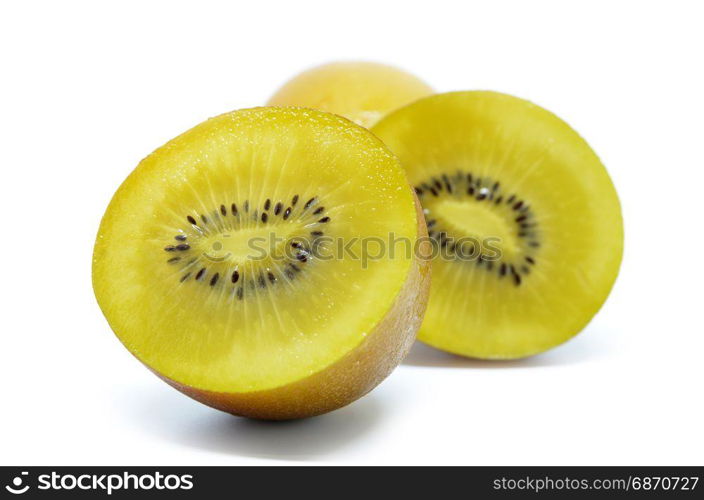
{"points": [[467, 185], [218, 222]]}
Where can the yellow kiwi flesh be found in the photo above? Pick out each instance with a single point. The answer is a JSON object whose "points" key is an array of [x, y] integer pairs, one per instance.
{"points": [[360, 91], [190, 282], [541, 214]]}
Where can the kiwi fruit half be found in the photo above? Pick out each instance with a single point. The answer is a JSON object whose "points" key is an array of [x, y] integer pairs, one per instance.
{"points": [[360, 91], [526, 223], [215, 263]]}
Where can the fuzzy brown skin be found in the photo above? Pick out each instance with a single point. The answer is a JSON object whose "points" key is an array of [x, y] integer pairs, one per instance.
{"points": [[351, 377]]}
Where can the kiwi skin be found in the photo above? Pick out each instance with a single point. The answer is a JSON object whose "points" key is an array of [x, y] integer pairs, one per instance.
{"points": [[361, 91], [351, 377]]}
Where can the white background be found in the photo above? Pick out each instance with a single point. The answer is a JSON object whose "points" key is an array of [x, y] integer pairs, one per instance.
{"points": [[87, 89]]}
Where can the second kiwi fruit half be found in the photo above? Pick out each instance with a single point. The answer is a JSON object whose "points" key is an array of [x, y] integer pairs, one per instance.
{"points": [[216, 263], [526, 221]]}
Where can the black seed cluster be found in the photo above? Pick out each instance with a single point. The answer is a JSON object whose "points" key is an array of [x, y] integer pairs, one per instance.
{"points": [[232, 215], [475, 189], [270, 211]]}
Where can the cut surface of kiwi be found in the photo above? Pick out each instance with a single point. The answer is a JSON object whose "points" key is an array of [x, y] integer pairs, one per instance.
{"points": [[526, 223], [360, 91], [215, 262]]}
